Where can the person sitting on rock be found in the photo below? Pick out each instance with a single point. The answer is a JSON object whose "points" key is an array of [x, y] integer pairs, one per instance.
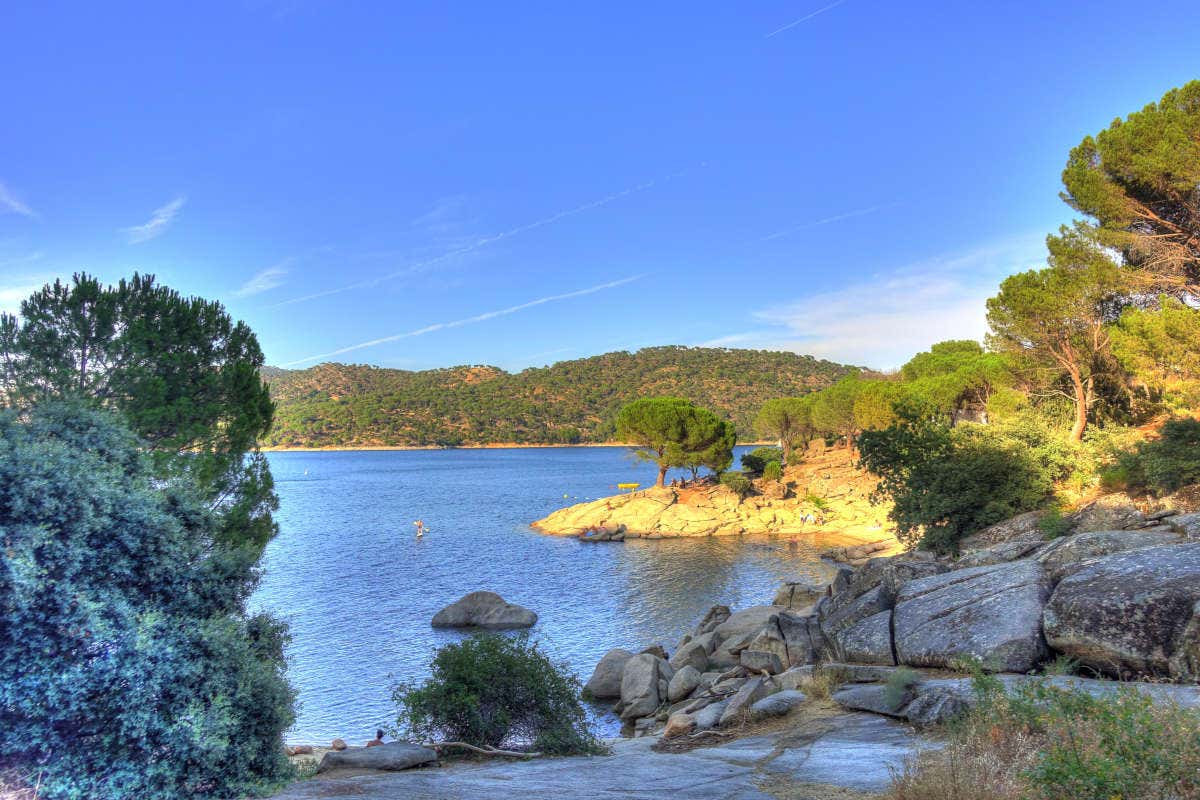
{"points": [[378, 740]]}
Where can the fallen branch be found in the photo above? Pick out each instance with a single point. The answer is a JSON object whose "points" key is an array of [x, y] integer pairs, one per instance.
{"points": [[487, 751]]}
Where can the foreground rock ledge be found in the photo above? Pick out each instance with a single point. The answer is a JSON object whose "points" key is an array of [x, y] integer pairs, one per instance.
{"points": [[484, 610]]}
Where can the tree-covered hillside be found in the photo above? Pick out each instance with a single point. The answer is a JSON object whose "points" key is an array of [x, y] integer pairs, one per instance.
{"points": [[571, 401]]}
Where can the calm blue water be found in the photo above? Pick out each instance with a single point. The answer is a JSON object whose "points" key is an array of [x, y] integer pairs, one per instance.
{"points": [[358, 589]]}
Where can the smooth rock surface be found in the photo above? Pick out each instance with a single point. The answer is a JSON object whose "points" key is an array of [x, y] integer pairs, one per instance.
{"points": [[640, 690], [389, 757], [851, 751], [484, 610], [992, 614], [1063, 556], [683, 683], [778, 704], [1136, 612]]}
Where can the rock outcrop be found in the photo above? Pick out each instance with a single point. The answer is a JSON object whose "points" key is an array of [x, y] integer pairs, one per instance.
{"points": [[1136, 612], [389, 757], [484, 610], [991, 614], [605, 682]]}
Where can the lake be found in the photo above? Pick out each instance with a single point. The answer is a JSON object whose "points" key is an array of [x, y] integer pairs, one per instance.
{"points": [[359, 589]]}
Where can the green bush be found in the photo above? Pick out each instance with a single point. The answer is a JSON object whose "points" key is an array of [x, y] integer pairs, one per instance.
{"points": [[1041, 742], [773, 471], [1053, 523], [492, 690], [128, 668], [1163, 465], [948, 483], [737, 482], [756, 461]]}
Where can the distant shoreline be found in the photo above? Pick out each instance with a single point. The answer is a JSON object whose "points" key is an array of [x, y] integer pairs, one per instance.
{"points": [[498, 446]]}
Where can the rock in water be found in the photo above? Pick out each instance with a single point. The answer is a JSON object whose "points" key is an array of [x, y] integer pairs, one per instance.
{"points": [[1133, 612], [640, 690], [993, 614], [388, 757], [484, 610], [605, 682]]}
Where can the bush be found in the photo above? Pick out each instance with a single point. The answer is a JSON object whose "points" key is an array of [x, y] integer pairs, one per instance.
{"points": [[497, 691], [1046, 743], [128, 668], [737, 482], [755, 462], [946, 484], [773, 471], [1163, 465], [1053, 524]]}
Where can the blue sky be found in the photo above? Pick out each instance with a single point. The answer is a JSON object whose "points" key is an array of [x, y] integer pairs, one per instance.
{"points": [[427, 184]]}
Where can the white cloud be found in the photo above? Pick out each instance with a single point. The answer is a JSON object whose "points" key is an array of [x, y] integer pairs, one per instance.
{"points": [[883, 322], [458, 323], [265, 280], [10, 203], [158, 223], [18, 288], [858, 212]]}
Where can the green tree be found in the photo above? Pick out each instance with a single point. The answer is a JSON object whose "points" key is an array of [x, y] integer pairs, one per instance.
{"points": [[955, 376], [672, 432], [1057, 317], [787, 419], [875, 404], [128, 668], [1160, 347], [1139, 180], [833, 409], [181, 372]]}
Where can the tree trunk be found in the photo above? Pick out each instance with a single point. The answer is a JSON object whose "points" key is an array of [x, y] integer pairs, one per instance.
{"points": [[1081, 406], [662, 476], [787, 450]]}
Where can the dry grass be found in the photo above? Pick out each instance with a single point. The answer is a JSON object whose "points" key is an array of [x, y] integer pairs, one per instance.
{"points": [[1047, 744], [823, 683], [16, 786]]}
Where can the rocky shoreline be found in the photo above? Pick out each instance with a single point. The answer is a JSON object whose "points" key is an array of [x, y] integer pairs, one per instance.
{"points": [[1123, 604]]}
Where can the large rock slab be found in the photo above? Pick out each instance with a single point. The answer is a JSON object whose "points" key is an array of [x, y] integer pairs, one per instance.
{"points": [[1108, 513], [1065, 555], [868, 641], [484, 610], [992, 614], [1132, 613], [605, 682], [855, 752], [390, 757]]}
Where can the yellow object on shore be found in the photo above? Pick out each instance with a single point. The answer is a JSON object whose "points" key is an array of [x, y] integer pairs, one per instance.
{"points": [[629, 486]]}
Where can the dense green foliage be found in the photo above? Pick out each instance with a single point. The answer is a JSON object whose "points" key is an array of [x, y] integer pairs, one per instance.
{"points": [[673, 432], [567, 403], [946, 483], [1159, 346], [492, 690], [773, 471], [756, 461], [789, 420], [737, 482], [1139, 181], [128, 668], [1161, 465], [179, 370]]}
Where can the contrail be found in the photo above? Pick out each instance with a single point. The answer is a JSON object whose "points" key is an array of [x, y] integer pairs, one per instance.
{"points": [[458, 323], [817, 223], [805, 18], [541, 223]]}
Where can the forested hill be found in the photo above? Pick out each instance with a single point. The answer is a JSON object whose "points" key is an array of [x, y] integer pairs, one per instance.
{"points": [[333, 405]]}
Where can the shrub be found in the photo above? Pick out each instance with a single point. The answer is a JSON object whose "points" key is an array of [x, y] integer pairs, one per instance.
{"points": [[946, 484], [773, 471], [737, 482], [1053, 524], [492, 690], [899, 686], [1045, 743], [128, 668], [755, 462], [1162, 465]]}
